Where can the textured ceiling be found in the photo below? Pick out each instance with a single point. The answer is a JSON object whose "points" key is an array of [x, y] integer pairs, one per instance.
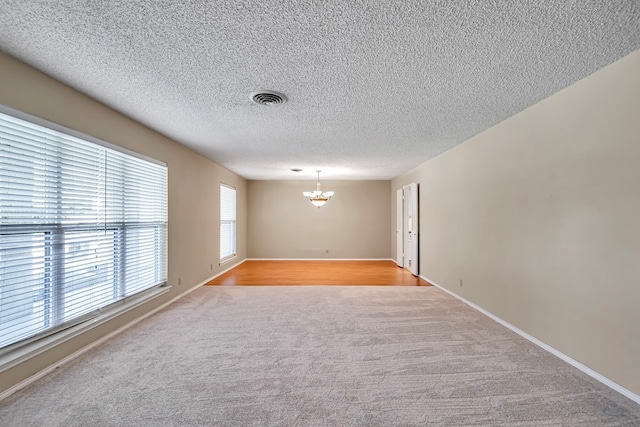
{"points": [[375, 87]]}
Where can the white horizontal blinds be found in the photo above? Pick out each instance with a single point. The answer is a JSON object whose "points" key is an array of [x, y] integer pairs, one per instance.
{"points": [[81, 227], [227, 222], [137, 199]]}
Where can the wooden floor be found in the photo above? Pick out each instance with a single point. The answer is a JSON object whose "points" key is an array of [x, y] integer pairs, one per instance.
{"points": [[293, 273]]}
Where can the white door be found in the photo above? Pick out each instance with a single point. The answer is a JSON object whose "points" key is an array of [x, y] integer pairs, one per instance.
{"points": [[399, 228], [411, 227]]}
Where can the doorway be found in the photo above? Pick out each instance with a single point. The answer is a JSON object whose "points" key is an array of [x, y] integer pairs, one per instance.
{"points": [[407, 226]]}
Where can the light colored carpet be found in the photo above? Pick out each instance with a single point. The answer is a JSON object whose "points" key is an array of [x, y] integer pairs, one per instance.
{"points": [[318, 356]]}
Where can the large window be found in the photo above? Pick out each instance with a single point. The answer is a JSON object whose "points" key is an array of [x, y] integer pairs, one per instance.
{"points": [[227, 222], [82, 226]]}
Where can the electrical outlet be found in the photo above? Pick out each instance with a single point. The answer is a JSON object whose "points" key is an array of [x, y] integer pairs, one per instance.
{"points": [[327, 251], [179, 281], [212, 266], [460, 282]]}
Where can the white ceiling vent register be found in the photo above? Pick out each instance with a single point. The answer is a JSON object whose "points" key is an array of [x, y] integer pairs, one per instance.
{"points": [[268, 97]]}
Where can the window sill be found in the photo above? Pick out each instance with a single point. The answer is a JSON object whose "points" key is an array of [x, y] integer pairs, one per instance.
{"points": [[25, 352]]}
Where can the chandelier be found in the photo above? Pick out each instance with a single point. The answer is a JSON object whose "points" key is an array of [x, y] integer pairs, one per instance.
{"points": [[318, 197]]}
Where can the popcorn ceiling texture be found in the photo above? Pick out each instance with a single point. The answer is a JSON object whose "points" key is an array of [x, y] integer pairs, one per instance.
{"points": [[375, 88]]}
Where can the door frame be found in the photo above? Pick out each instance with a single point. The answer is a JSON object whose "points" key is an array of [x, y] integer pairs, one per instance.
{"points": [[407, 228], [400, 227]]}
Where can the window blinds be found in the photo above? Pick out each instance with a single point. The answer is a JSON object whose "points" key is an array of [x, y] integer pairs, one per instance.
{"points": [[81, 227], [227, 222]]}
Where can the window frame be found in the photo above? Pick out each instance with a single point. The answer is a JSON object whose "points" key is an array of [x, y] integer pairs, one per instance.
{"points": [[56, 235], [228, 222]]}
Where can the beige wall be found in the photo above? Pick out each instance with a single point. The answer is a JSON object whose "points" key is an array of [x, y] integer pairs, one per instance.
{"points": [[540, 218], [353, 224], [193, 191]]}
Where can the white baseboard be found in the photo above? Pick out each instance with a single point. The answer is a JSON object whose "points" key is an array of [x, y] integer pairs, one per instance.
{"points": [[319, 259], [224, 271], [24, 383], [593, 374]]}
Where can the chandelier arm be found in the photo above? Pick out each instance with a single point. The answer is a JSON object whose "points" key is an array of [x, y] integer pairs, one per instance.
{"points": [[318, 198]]}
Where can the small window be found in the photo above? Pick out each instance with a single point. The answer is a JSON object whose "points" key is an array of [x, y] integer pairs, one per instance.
{"points": [[227, 222]]}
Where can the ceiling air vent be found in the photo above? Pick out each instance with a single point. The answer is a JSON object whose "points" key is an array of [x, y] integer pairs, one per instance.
{"points": [[268, 97]]}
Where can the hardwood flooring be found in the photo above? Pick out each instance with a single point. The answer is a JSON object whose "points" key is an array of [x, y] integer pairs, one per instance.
{"points": [[294, 273]]}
